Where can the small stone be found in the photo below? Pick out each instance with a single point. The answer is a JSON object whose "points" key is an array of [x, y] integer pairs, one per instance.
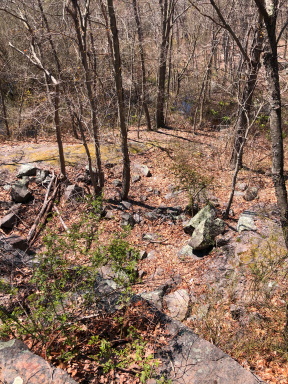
{"points": [[151, 255], [127, 219], [246, 223], [8, 221], [117, 183], [137, 218], [136, 178], [242, 186], [152, 215], [251, 193], [41, 175], [109, 215], [143, 255], [149, 236], [126, 204]]}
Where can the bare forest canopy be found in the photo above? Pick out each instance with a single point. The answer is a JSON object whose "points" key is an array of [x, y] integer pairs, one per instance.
{"points": [[82, 68]]}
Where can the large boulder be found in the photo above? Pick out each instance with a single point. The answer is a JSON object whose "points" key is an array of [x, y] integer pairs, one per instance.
{"points": [[208, 212], [204, 235]]}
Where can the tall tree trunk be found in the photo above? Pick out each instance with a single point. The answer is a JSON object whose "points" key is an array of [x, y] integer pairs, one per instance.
{"points": [[247, 95], [167, 10], [81, 24], [120, 99], [5, 116], [56, 100], [268, 10], [143, 66]]}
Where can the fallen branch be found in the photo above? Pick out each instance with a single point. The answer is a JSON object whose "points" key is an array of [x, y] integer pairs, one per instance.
{"points": [[61, 220], [46, 208]]}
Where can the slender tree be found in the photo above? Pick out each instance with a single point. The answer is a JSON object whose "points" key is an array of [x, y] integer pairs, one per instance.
{"points": [[117, 65], [269, 11]]}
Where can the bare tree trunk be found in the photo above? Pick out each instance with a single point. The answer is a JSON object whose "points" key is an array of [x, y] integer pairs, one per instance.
{"points": [[120, 99], [247, 95], [5, 116], [268, 10], [80, 20], [167, 10], [143, 66]]}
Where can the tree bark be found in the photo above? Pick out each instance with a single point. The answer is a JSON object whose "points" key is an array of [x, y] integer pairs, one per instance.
{"points": [[268, 10], [247, 95], [120, 99], [143, 66]]}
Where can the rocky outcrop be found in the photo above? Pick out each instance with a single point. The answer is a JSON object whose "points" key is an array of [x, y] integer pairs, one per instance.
{"points": [[189, 359], [20, 366]]}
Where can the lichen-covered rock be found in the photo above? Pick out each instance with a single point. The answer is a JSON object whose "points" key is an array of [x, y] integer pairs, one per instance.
{"points": [[19, 365], [204, 235], [208, 212], [246, 222]]}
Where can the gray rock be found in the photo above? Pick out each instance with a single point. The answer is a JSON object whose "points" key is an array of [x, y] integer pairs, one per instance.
{"points": [[143, 255], [9, 220], [127, 219], [20, 194], [251, 193], [143, 170], [126, 204], [242, 186], [177, 304], [136, 178], [18, 365], [109, 215], [27, 170], [208, 212], [7, 187], [155, 297], [150, 236], [24, 181], [204, 235], [153, 215], [197, 361], [117, 183], [73, 192], [41, 175], [151, 255], [246, 222], [186, 253], [137, 217]]}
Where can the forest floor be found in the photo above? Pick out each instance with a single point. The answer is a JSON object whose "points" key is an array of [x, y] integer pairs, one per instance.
{"points": [[163, 152]]}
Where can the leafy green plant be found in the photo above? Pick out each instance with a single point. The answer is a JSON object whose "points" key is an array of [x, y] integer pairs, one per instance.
{"points": [[60, 294]]}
